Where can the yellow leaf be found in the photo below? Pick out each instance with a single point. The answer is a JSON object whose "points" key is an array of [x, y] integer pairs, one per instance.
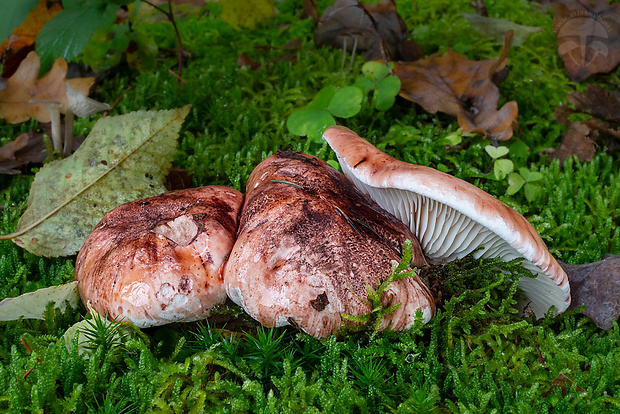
{"points": [[246, 13], [30, 28]]}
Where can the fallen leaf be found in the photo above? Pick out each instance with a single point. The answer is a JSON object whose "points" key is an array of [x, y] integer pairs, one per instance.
{"points": [[24, 86], [246, 13], [578, 140], [455, 85], [178, 179], [351, 25], [32, 305], [603, 105], [124, 158], [244, 61], [497, 28], [588, 36], [598, 101], [27, 32], [26, 148], [597, 285]]}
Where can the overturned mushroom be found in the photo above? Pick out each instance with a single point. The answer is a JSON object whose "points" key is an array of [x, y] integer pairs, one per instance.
{"points": [[309, 243], [159, 260], [452, 218]]}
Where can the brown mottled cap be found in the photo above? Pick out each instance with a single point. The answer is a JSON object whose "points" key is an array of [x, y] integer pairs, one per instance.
{"points": [[452, 218], [309, 242], [159, 260]]}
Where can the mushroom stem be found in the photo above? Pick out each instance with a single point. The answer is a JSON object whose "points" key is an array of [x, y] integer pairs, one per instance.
{"points": [[69, 116], [53, 109]]}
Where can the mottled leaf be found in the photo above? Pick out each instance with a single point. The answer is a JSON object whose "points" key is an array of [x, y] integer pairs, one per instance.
{"points": [[123, 158], [32, 305]]}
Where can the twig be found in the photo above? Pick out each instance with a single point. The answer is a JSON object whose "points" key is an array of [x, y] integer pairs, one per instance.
{"points": [[116, 101], [170, 17]]}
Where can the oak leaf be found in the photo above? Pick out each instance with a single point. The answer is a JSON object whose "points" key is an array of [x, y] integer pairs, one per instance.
{"points": [[578, 140], [457, 86], [26, 148], [24, 86], [588, 36]]}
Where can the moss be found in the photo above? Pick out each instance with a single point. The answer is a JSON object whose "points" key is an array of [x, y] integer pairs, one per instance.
{"points": [[476, 355]]}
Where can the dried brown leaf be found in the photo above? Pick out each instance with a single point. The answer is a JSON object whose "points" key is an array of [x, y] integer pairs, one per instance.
{"points": [[455, 85], [377, 29], [26, 148], [588, 36], [597, 285], [24, 86], [578, 140]]}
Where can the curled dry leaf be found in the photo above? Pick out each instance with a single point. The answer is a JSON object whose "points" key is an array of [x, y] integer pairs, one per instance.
{"points": [[24, 86], [455, 85], [597, 285], [588, 36], [356, 26], [124, 158], [26, 148], [580, 139]]}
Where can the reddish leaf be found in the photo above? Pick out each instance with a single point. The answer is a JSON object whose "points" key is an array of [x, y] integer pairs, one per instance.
{"points": [[597, 285], [578, 140], [599, 102], [588, 35], [463, 88], [244, 61], [377, 29]]}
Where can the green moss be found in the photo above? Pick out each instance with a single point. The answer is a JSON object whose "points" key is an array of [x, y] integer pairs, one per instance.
{"points": [[477, 355]]}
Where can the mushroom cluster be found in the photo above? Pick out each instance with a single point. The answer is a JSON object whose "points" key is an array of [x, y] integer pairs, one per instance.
{"points": [[305, 244]]}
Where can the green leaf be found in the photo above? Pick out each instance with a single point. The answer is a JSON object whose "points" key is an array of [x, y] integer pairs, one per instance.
{"points": [[105, 49], [375, 71], [346, 103], [364, 84], [32, 305], [322, 98], [530, 176], [502, 168], [123, 158], [14, 12], [454, 138], [310, 123], [66, 34], [515, 182], [532, 191], [496, 152], [386, 92], [144, 57]]}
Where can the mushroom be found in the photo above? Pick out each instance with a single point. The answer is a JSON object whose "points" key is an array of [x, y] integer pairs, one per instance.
{"points": [[452, 218], [308, 245], [159, 260], [52, 108], [78, 105]]}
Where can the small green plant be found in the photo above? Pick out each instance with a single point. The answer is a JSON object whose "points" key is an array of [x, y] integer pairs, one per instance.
{"points": [[347, 101], [504, 169], [379, 309], [99, 332]]}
